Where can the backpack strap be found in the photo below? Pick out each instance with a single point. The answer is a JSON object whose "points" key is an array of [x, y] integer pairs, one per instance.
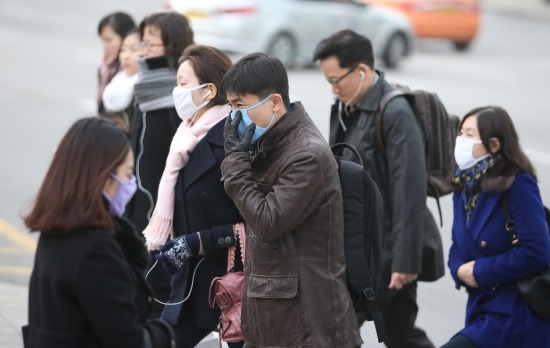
{"points": [[379, 135]]}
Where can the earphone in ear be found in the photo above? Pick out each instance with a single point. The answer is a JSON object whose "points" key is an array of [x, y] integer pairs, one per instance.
{"points": [[362, 74]]}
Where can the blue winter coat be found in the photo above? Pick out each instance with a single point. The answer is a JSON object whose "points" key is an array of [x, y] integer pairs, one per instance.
{"points": [[496, 314]]}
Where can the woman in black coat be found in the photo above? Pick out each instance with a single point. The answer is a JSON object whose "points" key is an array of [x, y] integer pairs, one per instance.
{"points": [[192, 204], [87, 287], [164, 37]]}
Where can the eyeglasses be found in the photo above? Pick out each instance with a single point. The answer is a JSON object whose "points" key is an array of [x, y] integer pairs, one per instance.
{"points": [[149, 45], [336, 81]]}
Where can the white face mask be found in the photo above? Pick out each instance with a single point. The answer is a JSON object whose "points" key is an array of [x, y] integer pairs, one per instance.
{"points": [[183, 101], [464, 153]]}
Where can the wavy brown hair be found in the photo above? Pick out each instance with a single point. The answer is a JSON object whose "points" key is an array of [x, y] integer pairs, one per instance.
{"points": [[71, 197]]}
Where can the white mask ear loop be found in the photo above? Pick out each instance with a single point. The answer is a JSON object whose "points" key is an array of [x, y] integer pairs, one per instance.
{"points": [[190, 289], [201, 105]]}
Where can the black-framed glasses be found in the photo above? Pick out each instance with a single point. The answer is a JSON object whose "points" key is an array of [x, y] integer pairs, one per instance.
{"points": [[149, 45], [336, 81]]}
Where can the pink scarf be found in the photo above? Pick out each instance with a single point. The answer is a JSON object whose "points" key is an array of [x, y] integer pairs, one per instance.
{"points": [[186, 138]]}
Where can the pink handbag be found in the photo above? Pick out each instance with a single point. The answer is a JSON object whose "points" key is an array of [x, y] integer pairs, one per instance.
{"points": [[227, 293]]}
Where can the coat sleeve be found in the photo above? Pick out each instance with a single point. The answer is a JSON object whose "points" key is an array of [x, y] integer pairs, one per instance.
{"points": [[533, 253], [407, 185], [217, 239], [455, 256], [106, 291], [293, 197]]}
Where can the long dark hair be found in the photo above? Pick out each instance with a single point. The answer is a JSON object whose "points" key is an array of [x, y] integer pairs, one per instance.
{"points": [[494, 122], [71, 194], [120, 22]]}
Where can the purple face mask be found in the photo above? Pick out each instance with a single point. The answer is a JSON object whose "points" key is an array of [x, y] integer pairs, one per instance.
{"points": [[117, 203]]}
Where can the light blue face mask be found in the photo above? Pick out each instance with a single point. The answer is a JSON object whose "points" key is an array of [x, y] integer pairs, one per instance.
{"points": [[246, 121]]}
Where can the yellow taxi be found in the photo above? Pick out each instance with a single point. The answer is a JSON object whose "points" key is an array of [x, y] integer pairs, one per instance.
{"points": [[455, 20]]}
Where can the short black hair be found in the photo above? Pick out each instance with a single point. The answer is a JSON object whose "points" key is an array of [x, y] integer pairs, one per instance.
{"points": [[257, 74], [348, 47]]}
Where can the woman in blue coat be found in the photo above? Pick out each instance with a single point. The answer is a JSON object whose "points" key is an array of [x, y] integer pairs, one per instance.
{"points": [[192, 207], [494, 168]]}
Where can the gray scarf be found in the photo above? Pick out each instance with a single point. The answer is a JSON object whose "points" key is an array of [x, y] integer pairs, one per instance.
{"points": [[156, 81]]}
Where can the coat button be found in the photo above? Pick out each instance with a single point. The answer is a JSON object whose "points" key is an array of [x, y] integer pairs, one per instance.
{"points": [[483, 244], [220, 241], [150, 299], [227, 240]]}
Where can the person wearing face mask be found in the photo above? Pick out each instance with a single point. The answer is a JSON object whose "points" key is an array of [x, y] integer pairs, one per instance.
{"points": [[164, 37], [192, 223], [87, 287], [413, 248], [493, 168], [283, 178]]}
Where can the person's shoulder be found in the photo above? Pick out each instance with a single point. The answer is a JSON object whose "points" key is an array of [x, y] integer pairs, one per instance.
{"points": [[523, 181]]}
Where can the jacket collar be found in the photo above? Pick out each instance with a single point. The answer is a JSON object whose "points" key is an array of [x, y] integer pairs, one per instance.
{"points": [[285, 129], [371, 100], [203, 157], [497, 183]]}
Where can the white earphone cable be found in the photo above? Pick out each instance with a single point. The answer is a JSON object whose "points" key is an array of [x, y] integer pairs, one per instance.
{"points": [[190, 289]]}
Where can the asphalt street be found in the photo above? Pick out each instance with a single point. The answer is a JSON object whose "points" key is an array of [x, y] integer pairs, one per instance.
{"points": [[48, 76]]}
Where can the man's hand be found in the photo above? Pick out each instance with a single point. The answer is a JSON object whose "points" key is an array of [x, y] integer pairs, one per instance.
{"points": [[232, 140], [466, 274], [399, 280]]}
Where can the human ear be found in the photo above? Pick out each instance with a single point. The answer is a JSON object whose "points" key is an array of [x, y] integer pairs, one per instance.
{"points": [[212, 91], [277, 101], [494, 145]]}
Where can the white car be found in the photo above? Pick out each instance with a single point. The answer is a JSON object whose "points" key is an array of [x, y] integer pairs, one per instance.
{"points": [[291, 29]]}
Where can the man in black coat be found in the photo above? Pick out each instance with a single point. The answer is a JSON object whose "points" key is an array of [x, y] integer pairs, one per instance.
{"points": [[412, 248]]}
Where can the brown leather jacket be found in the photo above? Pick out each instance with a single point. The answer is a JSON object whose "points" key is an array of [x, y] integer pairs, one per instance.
{"points": [[289, 194]]}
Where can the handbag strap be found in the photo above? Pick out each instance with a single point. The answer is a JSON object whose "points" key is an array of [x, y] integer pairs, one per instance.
{"points": [[510, 225], [240, 237]]}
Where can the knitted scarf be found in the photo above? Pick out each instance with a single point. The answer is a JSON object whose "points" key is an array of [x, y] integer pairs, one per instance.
{"points": [[469, 181], [186, 138], [154, 86]]}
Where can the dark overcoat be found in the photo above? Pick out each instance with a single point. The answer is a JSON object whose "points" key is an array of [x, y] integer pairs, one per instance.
{"points": [[412, 241], [87, 290], [202, 206]]}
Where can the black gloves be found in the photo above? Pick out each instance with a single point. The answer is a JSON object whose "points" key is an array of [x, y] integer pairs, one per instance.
{"points": [[175, 253], [233, 141]]}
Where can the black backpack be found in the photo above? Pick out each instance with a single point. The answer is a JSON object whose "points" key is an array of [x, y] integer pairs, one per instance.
{"points": [[363, 236], [439, 131]]}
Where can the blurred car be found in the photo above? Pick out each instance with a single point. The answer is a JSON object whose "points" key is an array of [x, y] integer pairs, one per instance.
{"points": [[455, 20], [291, 29]]}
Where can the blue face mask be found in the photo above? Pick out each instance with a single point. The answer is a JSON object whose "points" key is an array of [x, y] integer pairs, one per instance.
{"points": [[246, 121]]}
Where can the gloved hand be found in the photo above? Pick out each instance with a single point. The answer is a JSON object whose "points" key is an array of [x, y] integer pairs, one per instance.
{"points": [[175, 253], [232, 140]]}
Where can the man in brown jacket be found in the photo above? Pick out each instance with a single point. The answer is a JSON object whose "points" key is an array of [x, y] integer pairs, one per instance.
{"points": [[281, 174]]}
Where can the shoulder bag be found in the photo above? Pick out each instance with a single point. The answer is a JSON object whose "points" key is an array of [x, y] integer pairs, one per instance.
{"points": [[534, 289], [226, 292]]}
